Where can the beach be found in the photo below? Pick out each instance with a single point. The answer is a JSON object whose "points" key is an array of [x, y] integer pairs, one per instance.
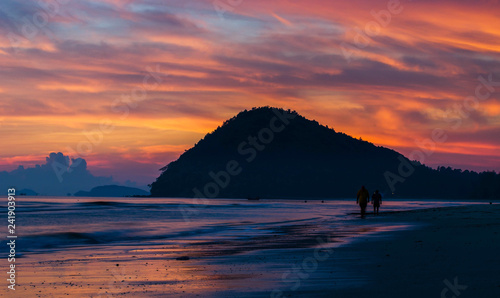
{"points": [[271, 249], [451, 252]]}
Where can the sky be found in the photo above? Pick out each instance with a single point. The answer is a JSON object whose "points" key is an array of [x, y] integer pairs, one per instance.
{"points": [[129, 85]]}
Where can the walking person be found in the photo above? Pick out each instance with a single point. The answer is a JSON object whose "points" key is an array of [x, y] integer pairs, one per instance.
{"points": [[376, 201], [362, 199]]}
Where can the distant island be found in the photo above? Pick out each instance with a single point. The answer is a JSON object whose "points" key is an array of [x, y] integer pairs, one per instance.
{"points": [[27, 192], [112, 191], [275, 153]]}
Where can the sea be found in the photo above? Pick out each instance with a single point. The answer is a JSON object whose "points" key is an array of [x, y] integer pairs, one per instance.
{"points": [[46, 225]]}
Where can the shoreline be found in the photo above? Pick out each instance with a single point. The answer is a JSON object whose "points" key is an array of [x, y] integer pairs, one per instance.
{"points": [[398, 253]]}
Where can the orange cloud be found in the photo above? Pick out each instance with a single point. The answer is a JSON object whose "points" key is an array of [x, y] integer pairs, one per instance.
{"points": [[282, 53]]}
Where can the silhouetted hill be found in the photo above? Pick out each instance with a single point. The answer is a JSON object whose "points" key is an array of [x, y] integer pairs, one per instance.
{"points": [[112, 191], [273, 153]]}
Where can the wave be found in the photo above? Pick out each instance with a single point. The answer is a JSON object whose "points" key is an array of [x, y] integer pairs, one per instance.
{"points": [[93, 205], [146, 235], [53, 240], [50, 241], [167, 205]]}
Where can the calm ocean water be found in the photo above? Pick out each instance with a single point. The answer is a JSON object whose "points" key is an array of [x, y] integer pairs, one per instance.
{"points": [[50, 224]]}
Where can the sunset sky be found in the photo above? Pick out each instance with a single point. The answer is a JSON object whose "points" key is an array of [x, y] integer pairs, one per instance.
{"points": [[164, 73]]}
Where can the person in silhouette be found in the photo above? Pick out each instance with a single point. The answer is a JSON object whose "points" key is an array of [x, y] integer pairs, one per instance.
{"points": [[376, 201], [362, 199]]}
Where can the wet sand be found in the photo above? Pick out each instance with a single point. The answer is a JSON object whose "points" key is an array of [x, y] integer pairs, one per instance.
{"points": [[452, 251], [304, 261]]}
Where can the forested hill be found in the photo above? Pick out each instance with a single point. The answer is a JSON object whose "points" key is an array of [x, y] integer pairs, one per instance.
{"points": [[275, 153]]}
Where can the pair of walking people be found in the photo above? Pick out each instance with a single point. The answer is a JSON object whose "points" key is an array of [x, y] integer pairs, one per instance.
{"points": [[363, 197]]}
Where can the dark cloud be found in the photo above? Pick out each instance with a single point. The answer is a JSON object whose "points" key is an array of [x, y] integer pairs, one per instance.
{"points": [[420, 62], [59, 175], [23, 106], [255, 64], [366, 74], [415, 117], [18, 74], [488, 136]]}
